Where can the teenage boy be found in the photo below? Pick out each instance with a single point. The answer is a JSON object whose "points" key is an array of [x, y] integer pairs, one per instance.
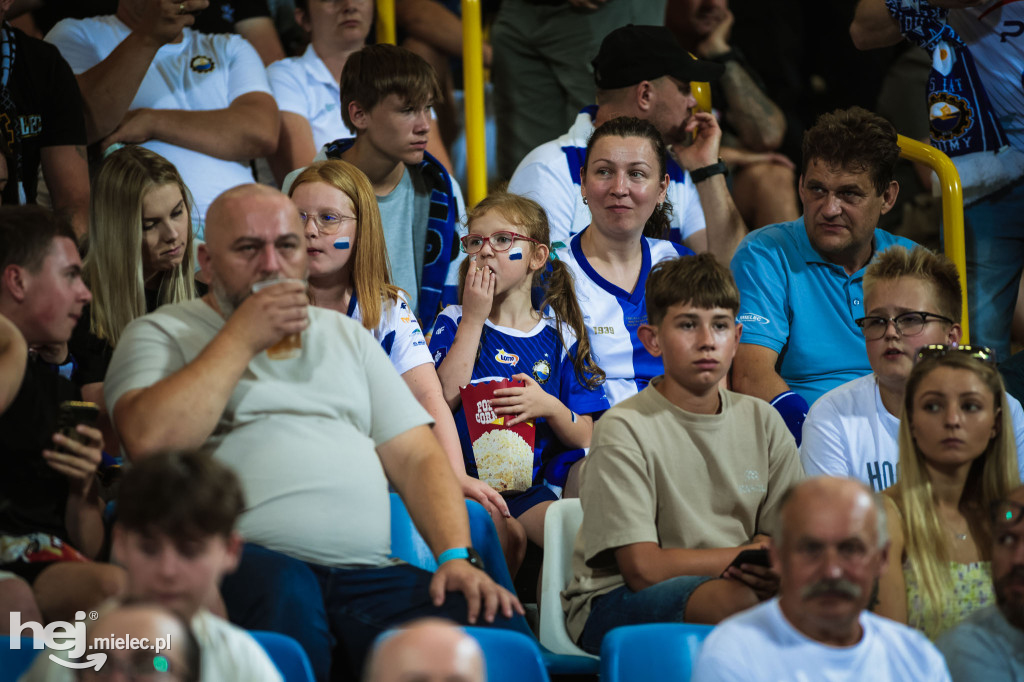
{"points": [[386, 96], [175, 536], [912, 299], [682, 476]]}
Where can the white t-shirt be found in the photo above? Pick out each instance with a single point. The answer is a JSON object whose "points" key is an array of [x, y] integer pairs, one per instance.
{"points": [[550, 175], [304, 86], [201, 73], [613, 315], [848, 432], [760, 644], [227, 652], [398, 333], [301, 434]]}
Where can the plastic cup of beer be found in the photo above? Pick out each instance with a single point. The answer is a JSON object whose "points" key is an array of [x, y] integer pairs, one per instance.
{"points": [[291, 345]]}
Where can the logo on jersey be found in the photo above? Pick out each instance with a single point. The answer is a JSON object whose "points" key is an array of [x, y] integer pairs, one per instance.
{"points": [[751, 317], [604, 330], [201, 64], [437, 356], [439, 329], [948, 115], [541, 371], [506, 358]]}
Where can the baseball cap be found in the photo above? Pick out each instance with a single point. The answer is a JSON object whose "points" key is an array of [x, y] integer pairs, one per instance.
{"points": [[631, 54]]}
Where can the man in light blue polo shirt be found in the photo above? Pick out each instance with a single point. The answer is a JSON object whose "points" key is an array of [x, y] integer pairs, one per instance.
{"points": [[801, 282]]}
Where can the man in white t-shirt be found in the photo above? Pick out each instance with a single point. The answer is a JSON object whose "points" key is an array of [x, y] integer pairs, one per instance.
{"points": [[315, 437], [832, 549], [912, 299], [202, 101], [642, 71]]}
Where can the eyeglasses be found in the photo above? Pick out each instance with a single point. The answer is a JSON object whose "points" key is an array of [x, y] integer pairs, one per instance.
{"points": [[326, 223], [906, 324], [982, 353], [499, 241], [1007, 512]]}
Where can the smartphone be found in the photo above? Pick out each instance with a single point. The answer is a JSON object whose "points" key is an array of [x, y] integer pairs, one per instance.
{"points": [[71, 413], [754, 557]]}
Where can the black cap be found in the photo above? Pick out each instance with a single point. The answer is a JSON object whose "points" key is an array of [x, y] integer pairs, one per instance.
{"points": [[631, 54]]}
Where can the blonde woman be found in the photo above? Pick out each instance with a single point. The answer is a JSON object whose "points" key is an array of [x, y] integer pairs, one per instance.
{"points": [[139, 253], [349, 272], [957, 456]]}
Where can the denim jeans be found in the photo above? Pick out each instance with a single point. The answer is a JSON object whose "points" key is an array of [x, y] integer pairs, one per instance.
{"points": [[332, 612], [994, 234], [661, 603]]}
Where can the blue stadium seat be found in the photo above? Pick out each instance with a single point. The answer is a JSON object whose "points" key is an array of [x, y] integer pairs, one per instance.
{"points": [[14, 662], [407, 544], [510, 656], [289, 657], [653, 651]]}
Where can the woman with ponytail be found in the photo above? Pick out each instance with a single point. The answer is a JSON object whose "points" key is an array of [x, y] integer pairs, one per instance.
{"points": [[624, 182], [498, 333]]}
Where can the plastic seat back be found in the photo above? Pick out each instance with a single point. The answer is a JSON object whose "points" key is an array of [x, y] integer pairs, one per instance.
{"points": [[653, 651], [510, 656], [287, 654], [14, 662], [561, 523]]}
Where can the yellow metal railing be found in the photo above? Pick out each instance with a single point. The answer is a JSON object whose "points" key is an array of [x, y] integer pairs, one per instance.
{"points": [[473, 85], [952, 209], [386, 31]]}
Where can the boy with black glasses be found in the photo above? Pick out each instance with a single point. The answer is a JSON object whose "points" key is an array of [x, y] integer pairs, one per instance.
{"points": [[912, 299]]}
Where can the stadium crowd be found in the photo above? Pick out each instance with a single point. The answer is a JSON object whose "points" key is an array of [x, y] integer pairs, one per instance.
{"points": [[246, 314]]}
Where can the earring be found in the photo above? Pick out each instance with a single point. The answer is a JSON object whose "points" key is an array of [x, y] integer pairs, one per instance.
{"points": [[585, 202], [660, 204]]}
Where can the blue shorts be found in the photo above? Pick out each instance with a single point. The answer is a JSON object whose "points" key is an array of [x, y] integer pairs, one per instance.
{"points": [[661, 603], [529, 498]]}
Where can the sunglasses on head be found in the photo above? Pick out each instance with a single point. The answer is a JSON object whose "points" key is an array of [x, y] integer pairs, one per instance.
{"points": [[982, 353]]}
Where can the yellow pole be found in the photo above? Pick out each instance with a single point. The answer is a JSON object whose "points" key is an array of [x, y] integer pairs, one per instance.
{"points": [[386, 32], [952, 209], [473, 85]]}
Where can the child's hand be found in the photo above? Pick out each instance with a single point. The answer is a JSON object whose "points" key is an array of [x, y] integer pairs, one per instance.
{"points": [[77, 461], [478, 293], [526, 402]]}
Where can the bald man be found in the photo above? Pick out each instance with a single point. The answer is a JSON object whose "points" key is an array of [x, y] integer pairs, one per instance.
{"points": [[315, 438], [832, 549], [429, 650]]}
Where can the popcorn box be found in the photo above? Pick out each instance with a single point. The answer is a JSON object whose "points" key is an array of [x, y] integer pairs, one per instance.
{"points": [[504, 455]]}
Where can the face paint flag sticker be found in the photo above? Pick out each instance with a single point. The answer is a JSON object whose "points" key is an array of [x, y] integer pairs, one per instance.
{"points": [[515, 253], [341, 243]]}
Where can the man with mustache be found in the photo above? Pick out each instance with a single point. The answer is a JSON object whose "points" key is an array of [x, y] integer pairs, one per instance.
{"points": [[990, 644], [832, 549]]}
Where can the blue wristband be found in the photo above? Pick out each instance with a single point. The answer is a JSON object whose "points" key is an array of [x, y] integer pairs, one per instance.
{"points": [[793, 409], [454, 553]]}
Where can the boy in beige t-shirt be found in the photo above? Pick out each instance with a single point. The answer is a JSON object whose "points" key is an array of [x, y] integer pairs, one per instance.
{"points": [[681, 477]]}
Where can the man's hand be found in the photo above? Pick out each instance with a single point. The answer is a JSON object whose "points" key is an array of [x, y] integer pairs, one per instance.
{"points": [[478, 292], [704, 150], [161, 21], [482, 594], [717, 41], [475, 489], [526, 402], [269, 315], [77, 461], [135, 128], [761, 579]]}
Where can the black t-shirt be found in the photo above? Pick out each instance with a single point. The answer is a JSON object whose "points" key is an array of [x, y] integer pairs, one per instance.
{"points": [[91, 353], [49, 107], [33, 497]]}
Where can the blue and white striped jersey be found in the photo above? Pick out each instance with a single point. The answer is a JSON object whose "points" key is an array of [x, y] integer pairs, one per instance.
{"points": [[613, 316]]}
